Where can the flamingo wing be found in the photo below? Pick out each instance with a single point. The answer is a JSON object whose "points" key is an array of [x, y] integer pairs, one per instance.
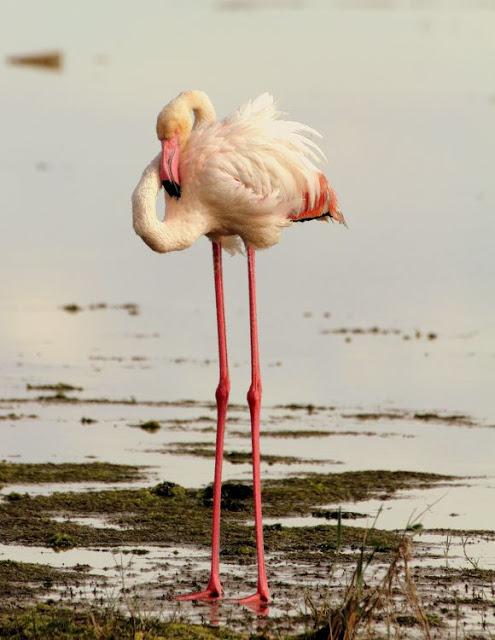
{"points": [[256, 173], [324, 208], [255, 159]]}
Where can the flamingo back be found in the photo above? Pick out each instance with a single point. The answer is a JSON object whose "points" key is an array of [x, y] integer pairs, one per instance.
{"points": [[255, 172]]}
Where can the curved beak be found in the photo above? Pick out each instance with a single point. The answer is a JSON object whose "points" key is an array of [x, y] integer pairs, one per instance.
{"points": [[169, 166]]}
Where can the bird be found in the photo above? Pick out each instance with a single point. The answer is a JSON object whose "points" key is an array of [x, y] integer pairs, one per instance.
{"points": [[238, 181]]}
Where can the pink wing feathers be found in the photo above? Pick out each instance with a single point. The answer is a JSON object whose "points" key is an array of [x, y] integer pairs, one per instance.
{"points": [[325, 206], [258, 172]]}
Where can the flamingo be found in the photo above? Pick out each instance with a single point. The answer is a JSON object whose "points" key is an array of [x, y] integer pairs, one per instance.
{"points": [[239, 181]]}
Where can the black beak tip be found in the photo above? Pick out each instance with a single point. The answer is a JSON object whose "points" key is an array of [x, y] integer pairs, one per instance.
{"points": [[172, 188]]}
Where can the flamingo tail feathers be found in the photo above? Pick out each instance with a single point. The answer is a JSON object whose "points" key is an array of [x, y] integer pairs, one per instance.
{"points": [[326, 206]]}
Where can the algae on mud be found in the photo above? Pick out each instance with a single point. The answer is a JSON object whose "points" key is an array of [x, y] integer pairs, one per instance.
{"points": [[373, 608], [297, 495], [25, 580], [130, 307], [455, 419], [59, 622], [207, 450], [170, 515], [61, 387], [36, 473], [157, 515], [311, 433], [12, 417], [150, 426]]}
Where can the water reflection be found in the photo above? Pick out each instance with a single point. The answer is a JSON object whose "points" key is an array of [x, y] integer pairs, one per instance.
{"points": [[404, 100]]}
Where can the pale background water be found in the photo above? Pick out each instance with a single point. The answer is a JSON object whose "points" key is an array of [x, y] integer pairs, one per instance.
{"points": [[404, 95], [403, 92]]}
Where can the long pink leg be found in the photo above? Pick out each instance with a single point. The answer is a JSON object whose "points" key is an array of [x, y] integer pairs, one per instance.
{"points": [[214, 588], [260, 599]]}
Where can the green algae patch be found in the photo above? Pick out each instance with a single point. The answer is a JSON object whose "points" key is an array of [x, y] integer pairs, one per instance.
{"points": [[168, 490], [130, 307], [71, 307], [205, 450], [59, 622], [169, 514], [244, 457], [60, 540], [25, 473], [304, 544], [298, 495], [337, 514], [12, 417], [146, 517], [25, 580], [235, 496], [59, 387], [151, 426], [310, 433], [456, 419]]}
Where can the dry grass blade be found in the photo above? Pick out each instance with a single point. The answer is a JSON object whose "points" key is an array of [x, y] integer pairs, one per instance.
{"points": [[361, 604]]}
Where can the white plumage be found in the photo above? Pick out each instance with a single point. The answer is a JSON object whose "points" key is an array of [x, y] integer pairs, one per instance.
{"points": [[241, 177]]}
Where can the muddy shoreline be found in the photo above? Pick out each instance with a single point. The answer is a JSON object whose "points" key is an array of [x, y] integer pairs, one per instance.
{"points": [[73, 532]]}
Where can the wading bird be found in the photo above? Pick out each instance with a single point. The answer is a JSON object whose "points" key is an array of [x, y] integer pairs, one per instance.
{"points": [[239, 181]]}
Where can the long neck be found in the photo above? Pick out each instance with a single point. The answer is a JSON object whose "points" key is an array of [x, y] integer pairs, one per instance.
{"points": [[176, 232], [199, 103]]}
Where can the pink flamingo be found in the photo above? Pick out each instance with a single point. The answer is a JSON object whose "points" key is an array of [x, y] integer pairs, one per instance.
{"points": [[239, 180]]}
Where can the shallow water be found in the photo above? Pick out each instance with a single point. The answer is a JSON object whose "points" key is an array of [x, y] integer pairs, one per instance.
{"points": [[405, 102], [449, 507], [57, 435], [114, 564], [405, 99]]}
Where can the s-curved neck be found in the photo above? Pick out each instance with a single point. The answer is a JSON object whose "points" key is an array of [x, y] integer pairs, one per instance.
{"points": [[201, 106], [176, 118], [176, 232]]}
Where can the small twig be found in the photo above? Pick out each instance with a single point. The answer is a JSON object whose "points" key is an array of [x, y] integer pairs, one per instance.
{"points": [[474, 563]]}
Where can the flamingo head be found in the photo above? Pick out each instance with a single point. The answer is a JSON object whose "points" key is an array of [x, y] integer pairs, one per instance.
{"points": [[173, 128]]}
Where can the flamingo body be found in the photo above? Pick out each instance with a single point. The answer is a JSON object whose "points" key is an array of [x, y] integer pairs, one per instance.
{"points": [[239, 180], [245, 177]]}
